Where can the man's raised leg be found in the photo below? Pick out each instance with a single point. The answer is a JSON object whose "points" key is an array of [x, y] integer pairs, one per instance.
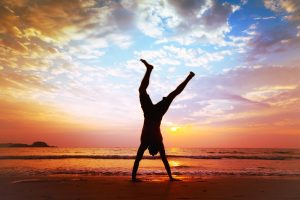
{"points": [[181, 87], [145, 81]]}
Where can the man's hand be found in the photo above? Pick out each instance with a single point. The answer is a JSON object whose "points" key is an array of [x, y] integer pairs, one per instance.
{"points": [[174, 179]]}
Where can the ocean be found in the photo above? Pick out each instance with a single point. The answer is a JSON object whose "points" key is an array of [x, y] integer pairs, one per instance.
{"points": [[193, 162]]}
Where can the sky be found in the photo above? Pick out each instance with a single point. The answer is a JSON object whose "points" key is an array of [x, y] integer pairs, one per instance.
{"points": [[70, 71]]}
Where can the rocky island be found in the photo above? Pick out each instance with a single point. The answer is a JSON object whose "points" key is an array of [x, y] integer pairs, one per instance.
{"points": [[35, 144]]}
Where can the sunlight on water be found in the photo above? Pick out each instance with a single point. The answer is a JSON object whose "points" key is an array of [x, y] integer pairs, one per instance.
{"points": [[174, 163]]}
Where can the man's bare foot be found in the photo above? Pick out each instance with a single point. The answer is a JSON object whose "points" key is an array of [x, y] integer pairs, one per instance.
{"points": [[146, 64], [191, 75], [174, 179]]}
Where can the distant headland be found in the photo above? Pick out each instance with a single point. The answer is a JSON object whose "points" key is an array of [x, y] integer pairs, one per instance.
{"points": [[35, 144]]}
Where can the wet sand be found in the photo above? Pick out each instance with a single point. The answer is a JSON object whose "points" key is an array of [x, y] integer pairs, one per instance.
{"points": [[155, 187]]}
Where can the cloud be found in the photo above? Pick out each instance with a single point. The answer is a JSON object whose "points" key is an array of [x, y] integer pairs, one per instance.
{"points": [[42, 41], [272, 40], [10, 80], [245, 95], [279, 37], [186, 22], [44, 27], [34, 30], [190, 57], [264, 18], [43, 21], [188, 8], [291, 7]]}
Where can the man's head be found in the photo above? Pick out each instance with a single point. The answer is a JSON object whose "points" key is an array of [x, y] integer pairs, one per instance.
{"points": [[153, 149]]}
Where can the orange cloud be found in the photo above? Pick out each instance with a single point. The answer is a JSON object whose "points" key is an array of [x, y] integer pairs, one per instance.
{"points": [[26, 21]]}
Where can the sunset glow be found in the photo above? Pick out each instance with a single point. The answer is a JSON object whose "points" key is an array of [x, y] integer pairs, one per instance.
{"points": [[70, 71]]}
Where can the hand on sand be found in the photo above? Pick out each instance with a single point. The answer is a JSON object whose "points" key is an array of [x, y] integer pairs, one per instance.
{"points": [[146, 64], [136, 180], [174, 179]]}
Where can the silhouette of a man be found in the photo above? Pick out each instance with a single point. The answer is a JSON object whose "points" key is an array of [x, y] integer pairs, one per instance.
{"points": [[151, 137]]}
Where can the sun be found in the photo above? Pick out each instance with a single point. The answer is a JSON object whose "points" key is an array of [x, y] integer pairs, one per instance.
{"points": [[174, 128]]}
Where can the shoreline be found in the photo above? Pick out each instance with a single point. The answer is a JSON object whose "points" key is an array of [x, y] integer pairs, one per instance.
{"points": [[152, 187]]}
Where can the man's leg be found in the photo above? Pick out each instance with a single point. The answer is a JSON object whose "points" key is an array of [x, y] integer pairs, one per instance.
{"points": [[138, 158], [181, 87], [145, 81]]}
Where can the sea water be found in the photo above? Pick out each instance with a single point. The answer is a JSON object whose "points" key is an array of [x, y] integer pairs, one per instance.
{"points": [[119, 161]]}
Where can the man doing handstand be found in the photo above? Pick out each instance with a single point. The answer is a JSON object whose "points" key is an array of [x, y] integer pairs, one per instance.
{"points": [[151, 137]]}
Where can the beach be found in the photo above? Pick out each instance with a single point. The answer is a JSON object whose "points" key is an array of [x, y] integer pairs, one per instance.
{"points": [[152, 187]]}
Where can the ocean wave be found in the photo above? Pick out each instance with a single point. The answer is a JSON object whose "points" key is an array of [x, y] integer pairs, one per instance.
{"points": [[251, 157], [106, 172], [283, 152], [227, 152]]}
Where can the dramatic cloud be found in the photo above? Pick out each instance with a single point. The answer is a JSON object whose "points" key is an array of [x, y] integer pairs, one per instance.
{"points": [[186, 22], [291, 7], [250, 94], [280, 36]]}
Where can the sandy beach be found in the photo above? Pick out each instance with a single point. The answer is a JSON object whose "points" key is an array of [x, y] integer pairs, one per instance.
{"points": [[152, 187]]}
